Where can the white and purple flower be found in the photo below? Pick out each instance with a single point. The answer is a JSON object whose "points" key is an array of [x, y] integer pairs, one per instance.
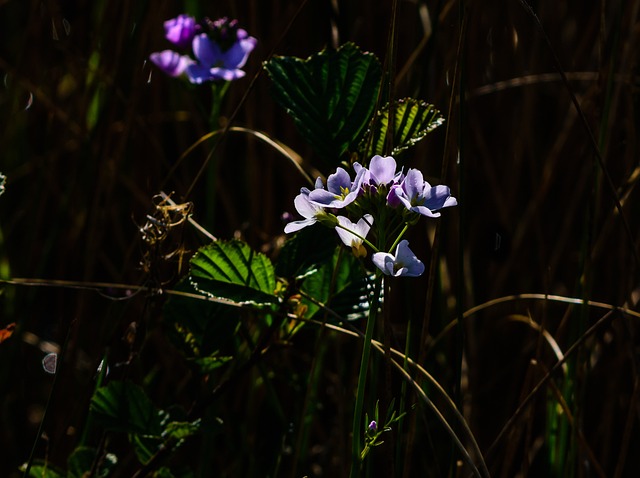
{"points": [[403, 263], [340, 192], [418, 196], [353, 235]]}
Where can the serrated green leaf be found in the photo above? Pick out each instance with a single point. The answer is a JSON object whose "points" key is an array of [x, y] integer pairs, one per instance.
{"points": [[413, 120], [331, 96], [232, 270], [123, 406]]}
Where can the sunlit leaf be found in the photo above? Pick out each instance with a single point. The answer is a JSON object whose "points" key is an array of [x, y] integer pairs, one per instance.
{"points": [[331, 96], [413, 120], [232, 270]]}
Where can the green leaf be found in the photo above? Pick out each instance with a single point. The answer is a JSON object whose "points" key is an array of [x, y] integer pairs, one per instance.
{"points": [[123, 406], [42, 470], [341, 284], [305, 250], [81, 461], [413, 120], [232, 270], [331, 96], [198, 327], [209, 364]]}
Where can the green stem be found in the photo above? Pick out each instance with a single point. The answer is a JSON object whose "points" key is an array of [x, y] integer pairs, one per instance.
{"points": [[362, 379], [395, 243], [375, 249]]}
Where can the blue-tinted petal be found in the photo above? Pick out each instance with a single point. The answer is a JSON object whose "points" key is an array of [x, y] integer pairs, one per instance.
{"points": [[207, 51], [339, 181], [438, 197], [407, 260], [236, 56], [425, 211], [225, 74], [199, 74], [322, 197]]}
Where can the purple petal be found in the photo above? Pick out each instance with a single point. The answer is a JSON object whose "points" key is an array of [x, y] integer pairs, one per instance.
{"points": [[199, 74], [383, 169], [207, 51], [408, 260], [236, 56], [339, 181], [425, 211], [439, 197], [171, 62], [180, 30], [224, 74], [394, 197], [322, 197], [413, 183]]}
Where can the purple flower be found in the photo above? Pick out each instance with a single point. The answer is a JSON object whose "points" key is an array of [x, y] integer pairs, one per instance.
{"points": [[181, 30], [171, 62], [309, 211], [361, 229], [340, 191], [373, 426], [220, 53], [382, 170], [403, 263], [419, 196]]}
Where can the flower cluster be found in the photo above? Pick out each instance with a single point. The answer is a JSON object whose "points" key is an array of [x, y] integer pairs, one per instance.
{"points": [[379, 191], [220, 49]]}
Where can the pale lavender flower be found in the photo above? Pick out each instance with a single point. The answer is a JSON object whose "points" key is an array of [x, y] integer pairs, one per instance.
{"points": [[419, 196], [340, 192], [361, 229], [403, 263], [181, 30], [309, 211], [221, 53], [171, 62]]}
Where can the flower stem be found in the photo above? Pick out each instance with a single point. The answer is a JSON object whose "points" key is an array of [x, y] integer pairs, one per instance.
{"points": [[362, 379], [395, 243], [375, 249]]}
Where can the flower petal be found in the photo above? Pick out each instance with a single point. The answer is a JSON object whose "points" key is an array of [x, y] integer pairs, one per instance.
{"points": [[207, 51], [438, 197], [384, 262], [180, 30], [408, 260], [236, 56], [171, 62], [383, 169]]}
